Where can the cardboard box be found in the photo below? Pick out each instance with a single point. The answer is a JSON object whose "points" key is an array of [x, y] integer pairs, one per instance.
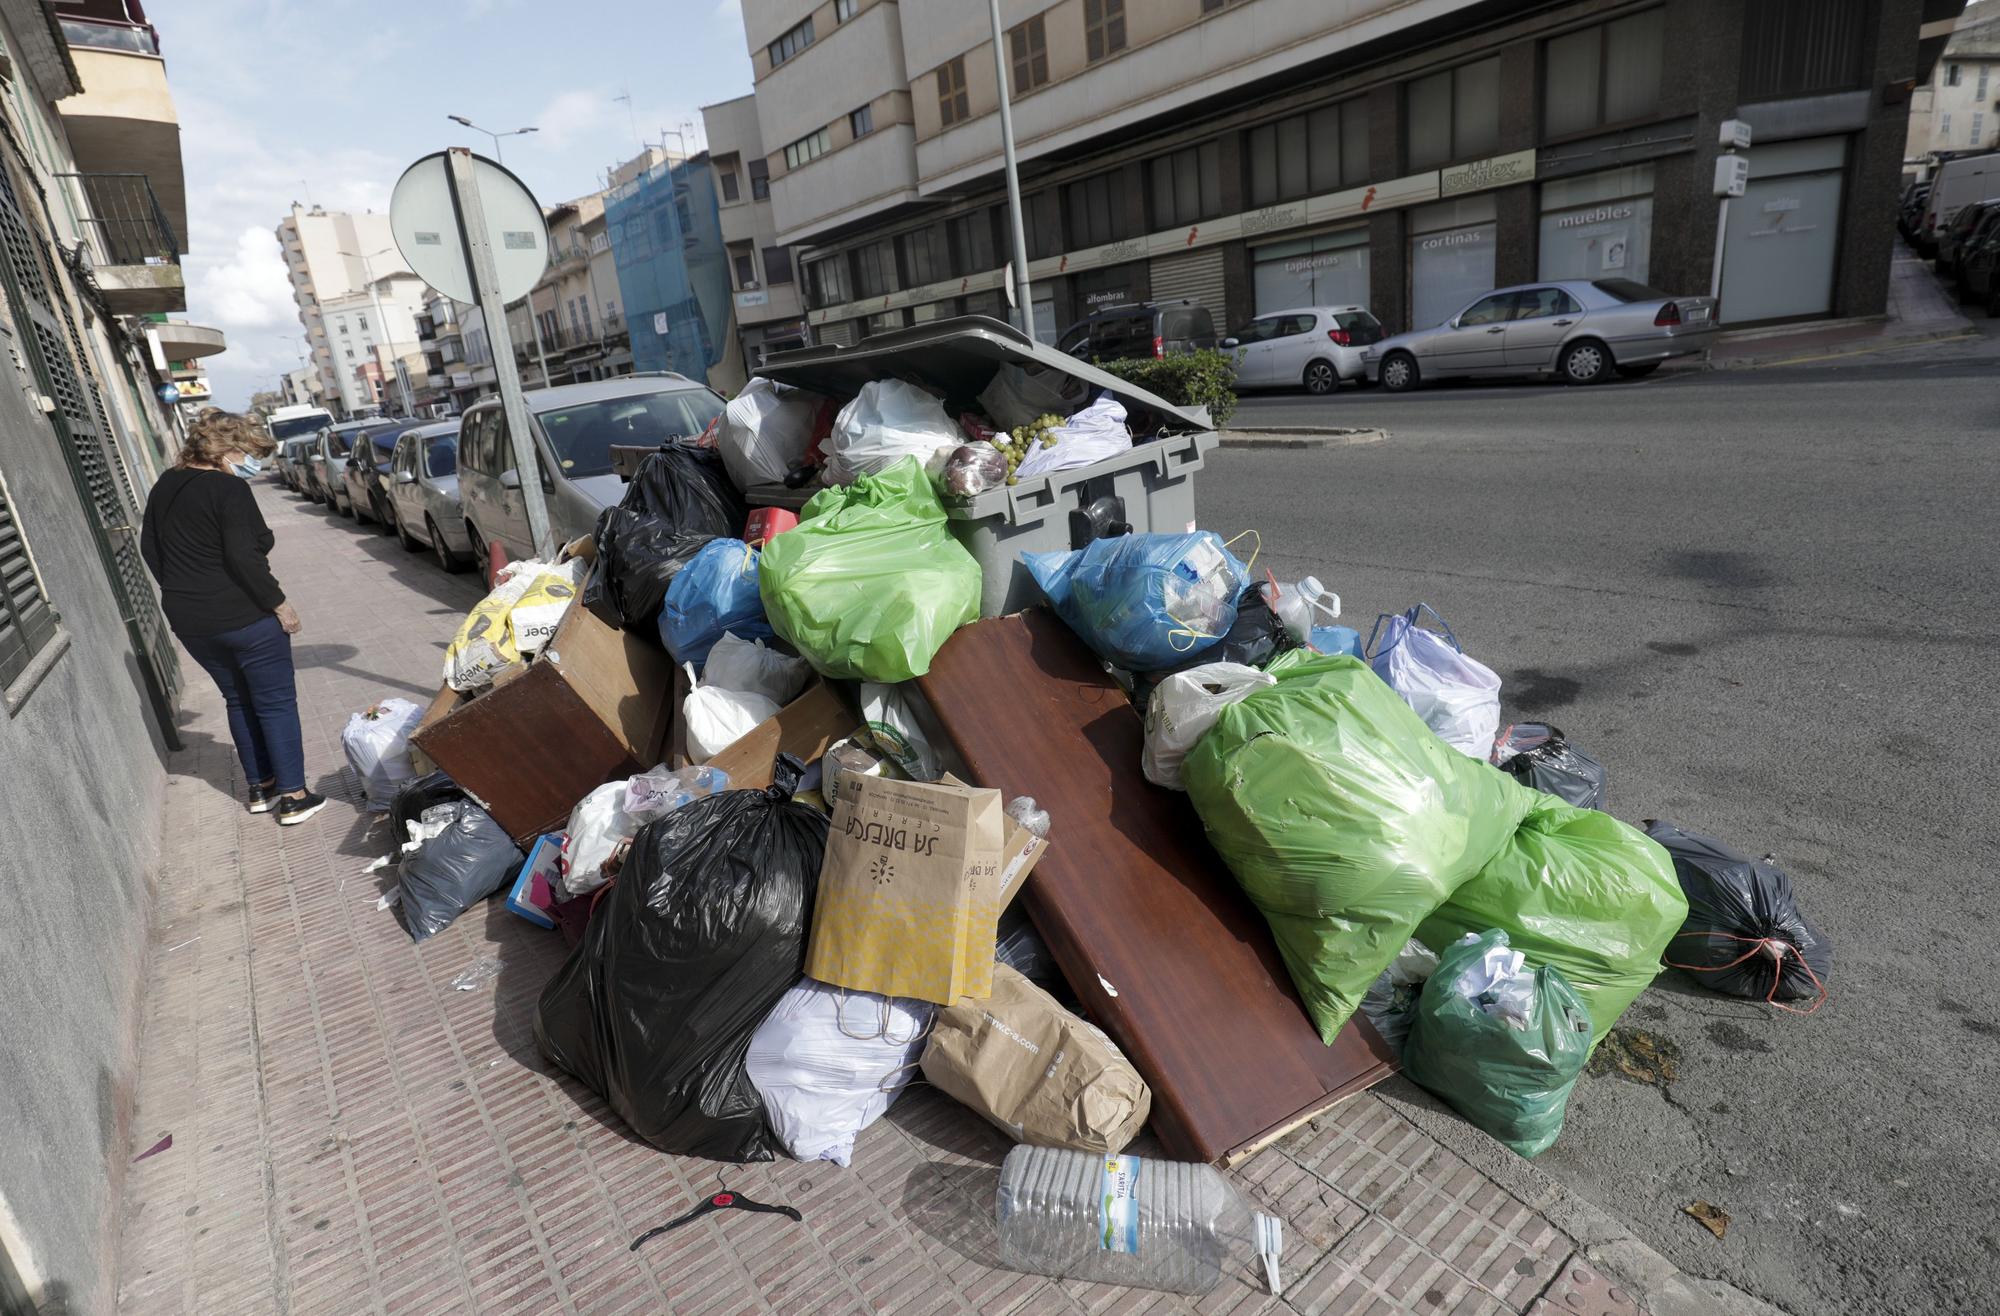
{"points": [[597, 704], [804, 728]]}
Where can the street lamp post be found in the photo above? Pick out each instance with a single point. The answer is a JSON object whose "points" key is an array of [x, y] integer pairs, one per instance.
{"points": [[1023, 294], [464, 122], [375, 296]]}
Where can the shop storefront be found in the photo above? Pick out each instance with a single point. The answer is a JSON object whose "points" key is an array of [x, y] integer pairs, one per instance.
{"points": [[1598, 226], [1451, 257], [1784, 232], [1326, 269]]}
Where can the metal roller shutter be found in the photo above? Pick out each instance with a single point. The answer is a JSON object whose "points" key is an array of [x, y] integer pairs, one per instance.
{"points": [[1196, 274], [844, 334]]}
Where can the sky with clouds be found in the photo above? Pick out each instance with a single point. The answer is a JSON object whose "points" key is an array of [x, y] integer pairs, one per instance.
{"points": [[327, 103]]}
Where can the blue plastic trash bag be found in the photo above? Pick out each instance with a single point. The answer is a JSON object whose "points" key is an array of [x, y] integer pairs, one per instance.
{"points": [[1336, 639], [1144, 602], [713, 595]]}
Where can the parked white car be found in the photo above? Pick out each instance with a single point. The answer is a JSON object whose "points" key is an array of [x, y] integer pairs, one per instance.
{"points": [[1312, 347]]}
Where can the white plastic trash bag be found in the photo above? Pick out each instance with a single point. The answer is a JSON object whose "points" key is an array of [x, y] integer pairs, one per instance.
{"points": [[717, 717], [596, 826], [828, 1062], [377, 742], [1091, 435], [752, 667], [888, 421], [1182, 709], [1017, 396], [765, 432], [1455, 694]]}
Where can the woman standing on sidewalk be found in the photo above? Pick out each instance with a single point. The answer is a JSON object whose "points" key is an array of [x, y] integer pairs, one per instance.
{"points": [[205, 542]]}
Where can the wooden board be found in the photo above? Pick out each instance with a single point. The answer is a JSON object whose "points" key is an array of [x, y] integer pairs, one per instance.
{"points": [[1153, 934]]}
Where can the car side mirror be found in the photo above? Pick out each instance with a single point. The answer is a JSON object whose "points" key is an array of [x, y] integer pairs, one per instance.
{"points": [[1230, 342], [510, 479]]}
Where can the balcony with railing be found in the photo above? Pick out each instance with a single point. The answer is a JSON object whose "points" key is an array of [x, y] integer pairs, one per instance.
{"points": [[123, 121], [134, 248], [567, 339]]}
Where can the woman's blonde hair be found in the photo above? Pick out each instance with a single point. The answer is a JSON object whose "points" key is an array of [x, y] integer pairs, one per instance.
{"points": [[217, 433]]}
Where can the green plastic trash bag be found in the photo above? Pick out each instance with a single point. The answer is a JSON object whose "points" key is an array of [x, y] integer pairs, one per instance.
{"points": [[1512, 1082], [1579, 890], [1345, 819], [870, 584]]}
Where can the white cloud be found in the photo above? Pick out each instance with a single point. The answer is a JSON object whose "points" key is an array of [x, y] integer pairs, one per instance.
{"points": [[569, 118], [248, 289], [729, 14]]}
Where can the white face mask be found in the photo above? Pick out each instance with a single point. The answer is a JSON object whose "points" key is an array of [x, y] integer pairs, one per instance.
{"points": [[245, 465]]}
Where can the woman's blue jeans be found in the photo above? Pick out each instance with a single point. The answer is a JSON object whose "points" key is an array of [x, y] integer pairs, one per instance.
{"points": [[253, 668]]}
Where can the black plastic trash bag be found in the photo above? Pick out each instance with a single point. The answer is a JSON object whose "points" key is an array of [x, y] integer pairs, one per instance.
{"points": [[471, 859], [702, 933], [1021, 948], [417, 795], [638, 556], [1745, 934], [688, 488], [1539, 755]]}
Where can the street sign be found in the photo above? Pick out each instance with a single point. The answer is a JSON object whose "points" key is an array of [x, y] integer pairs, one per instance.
{"points": [[475, 233], [424, 221], [1732, 175], [1735, 135]]}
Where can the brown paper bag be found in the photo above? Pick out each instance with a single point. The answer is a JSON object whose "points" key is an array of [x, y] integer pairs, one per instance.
{"points": [[909, 890], [1036, 1070]]}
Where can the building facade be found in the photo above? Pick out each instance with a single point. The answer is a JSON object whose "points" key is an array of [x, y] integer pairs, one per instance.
{"points": [[578, 328], [333, 256], [770, 314], [666, 239], [1958, 108], [1260, 154]]}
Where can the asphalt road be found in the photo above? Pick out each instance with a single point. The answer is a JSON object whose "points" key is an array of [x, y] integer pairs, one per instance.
{"points": [[1768, 602]]}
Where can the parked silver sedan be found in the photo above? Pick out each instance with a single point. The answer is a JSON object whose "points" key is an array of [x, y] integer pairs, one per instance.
{"points": [[423, 494], [1581, 332]]}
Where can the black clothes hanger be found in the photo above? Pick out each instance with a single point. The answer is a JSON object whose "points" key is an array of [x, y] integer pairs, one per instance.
{"points": [[720, 1201]]}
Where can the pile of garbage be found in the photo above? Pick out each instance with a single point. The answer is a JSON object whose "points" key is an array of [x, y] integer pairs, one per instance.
{"points": [[785, 897]]}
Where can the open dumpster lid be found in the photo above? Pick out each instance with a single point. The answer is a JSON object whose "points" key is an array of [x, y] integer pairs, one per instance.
{"points": [[957, 357]]}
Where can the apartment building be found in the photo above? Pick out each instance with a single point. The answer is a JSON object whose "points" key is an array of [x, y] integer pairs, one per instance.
{"points": [[1958, 109], [770, 314], [578, 331], [673, 280], [1262, 154], [368, 332], [330, 256]]}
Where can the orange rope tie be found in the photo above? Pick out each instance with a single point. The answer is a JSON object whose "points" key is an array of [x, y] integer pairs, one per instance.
{"points": [[1773, 946]]}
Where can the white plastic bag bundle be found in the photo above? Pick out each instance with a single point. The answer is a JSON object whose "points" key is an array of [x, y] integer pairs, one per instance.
{"points": [[751, 667], [888, 421], [1184, 707], [892, 723], [828, 1062], [1017, 396], [377, 743], [1391, 1000], [596, 826], [1455, 694], [766, 430], [718, 717], [1091, 435]]}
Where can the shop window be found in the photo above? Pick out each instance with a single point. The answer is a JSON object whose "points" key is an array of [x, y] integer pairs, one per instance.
{"points": [[1607, 74], [953, 105], [922, 259], [971, 239], [1451, 257], [1598, 226], [884, 322], [28, 622], [791, 43], [1103, 28], [1186, 186], [1028, 44], [875, 269], [1043, 217], [1307, 154], [1330, 269], [760, 180], [777, 265], [1096, 211], [1802, 47], [1454, 115]]}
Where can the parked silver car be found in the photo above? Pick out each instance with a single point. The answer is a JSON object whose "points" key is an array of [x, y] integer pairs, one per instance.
{"points": [[1579, 331], [423, 494], [576, 426], [326, 463], [292, 454], [1314, 347]]}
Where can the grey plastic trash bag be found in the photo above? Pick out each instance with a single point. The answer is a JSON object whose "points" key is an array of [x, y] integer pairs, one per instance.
{"points": [[471, 859]]}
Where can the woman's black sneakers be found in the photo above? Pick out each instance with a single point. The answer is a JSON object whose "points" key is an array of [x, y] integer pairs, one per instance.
{"points": [[262, 799], [294, 810]]}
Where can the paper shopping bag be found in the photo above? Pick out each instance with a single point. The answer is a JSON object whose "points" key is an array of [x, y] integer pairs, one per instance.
{"points": [[909, 891]]}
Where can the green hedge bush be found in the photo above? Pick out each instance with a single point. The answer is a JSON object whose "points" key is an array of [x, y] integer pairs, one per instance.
{"points": [[1191, 379]]}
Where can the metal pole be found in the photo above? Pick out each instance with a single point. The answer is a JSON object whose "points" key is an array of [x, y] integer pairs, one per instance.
{"points": [[1023, 294], [535, 323], [1715, 273], [486, 284], [375, 296]]}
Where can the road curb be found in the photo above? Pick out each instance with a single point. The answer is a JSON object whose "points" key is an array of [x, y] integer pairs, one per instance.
{"points": [[1301, 436], [1704, 364], [1663, 1289]]}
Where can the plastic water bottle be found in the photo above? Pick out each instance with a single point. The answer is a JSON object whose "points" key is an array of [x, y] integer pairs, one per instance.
{"points": [[1129, 1220], [1303, 606], [1022, 810], [1323, 601]]}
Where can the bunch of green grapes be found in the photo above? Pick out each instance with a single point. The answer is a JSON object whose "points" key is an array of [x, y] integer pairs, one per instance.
{"points": [[1024, 439]]}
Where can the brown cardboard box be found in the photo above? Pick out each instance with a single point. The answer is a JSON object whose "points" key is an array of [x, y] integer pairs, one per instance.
{"points": [[803, 728], [597, 704]]}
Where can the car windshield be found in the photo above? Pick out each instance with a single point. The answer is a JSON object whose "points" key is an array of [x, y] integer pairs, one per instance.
{"points": [[297, 427], [442, 456], [1122, 337], [1625, 290], [336, 443], [584, 435]]}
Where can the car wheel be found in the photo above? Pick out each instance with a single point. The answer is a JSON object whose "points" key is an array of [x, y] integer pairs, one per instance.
{"points": [[1639, 371], [1586, 361], [1399, 372], [480, 557], [450, 561], [385, 516], [1321, 378]]}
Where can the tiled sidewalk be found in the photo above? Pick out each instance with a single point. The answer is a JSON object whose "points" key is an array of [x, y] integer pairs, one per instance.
{"points": [[351, 1134]]}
